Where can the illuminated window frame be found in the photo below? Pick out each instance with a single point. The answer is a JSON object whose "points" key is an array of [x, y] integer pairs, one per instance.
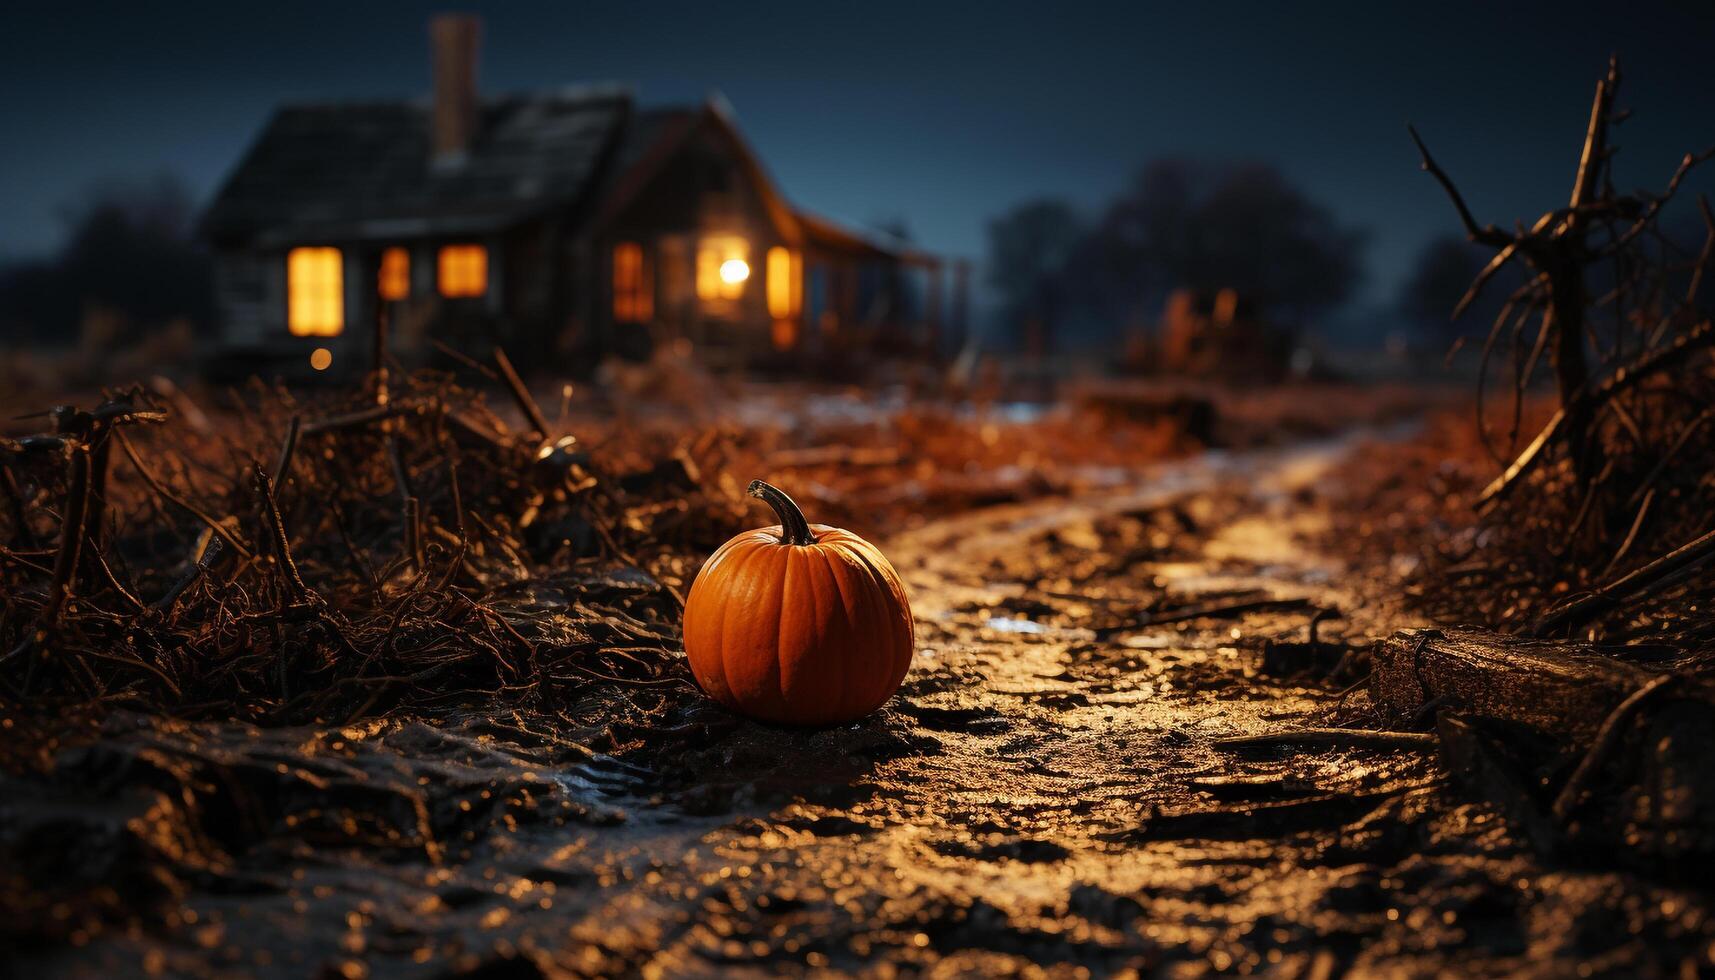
{"points": [[462, 271], [713, 252], [785, 283], [633, 298], [315, 292], [393, 279]]}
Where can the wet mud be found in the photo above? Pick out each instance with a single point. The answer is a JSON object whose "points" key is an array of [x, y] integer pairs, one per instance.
{"points": [[1063, 787]]}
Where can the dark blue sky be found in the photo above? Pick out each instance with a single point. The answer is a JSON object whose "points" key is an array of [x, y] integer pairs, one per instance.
{"points": [[945, 113]]}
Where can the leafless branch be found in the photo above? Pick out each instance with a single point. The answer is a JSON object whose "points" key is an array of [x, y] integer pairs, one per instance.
{"points": [[1487, 234]]}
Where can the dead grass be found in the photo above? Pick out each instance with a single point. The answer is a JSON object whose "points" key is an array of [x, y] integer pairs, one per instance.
{"points": [[1409, 512]]}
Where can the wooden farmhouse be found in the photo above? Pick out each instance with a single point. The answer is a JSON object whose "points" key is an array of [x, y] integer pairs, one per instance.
{"points": [[565, 225]]}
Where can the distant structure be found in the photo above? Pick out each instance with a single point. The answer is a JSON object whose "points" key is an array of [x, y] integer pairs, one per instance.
{"points": [[566, 225], [1219, 335]]}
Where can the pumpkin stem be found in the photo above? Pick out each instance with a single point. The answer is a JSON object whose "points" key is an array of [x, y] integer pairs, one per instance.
{"points": [[794, 529]]}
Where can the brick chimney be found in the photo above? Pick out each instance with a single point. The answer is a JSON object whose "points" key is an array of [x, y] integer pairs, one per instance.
{"points": [[454, 38]]}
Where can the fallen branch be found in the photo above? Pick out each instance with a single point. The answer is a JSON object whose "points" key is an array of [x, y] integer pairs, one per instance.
{"points": [[465, 359], [1562, 689], [521, 395], [210, 556], [1216, 610], [1363, 738], [1629, 586], [368, 416], [1259, 820]]}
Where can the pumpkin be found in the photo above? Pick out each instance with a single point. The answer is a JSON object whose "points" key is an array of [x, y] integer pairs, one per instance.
{"points": [[799, 623]]}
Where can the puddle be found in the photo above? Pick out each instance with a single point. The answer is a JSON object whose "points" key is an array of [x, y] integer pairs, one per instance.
{"points": [[1001, 625]]}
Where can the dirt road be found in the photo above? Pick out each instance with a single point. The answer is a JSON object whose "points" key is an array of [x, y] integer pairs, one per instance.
{"points": [[1056, 791]]}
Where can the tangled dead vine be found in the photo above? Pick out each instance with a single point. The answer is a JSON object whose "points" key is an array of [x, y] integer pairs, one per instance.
{"points": [[1606, 511], [393, 545]]}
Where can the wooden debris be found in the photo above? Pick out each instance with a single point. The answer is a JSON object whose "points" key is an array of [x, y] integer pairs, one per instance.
{"points": [[1564, 689], [1362, 738], [363, 417], [1221, 610], [1260, 820], [1668, 568], [1211, 610], [521, 396], [1628, 745]]}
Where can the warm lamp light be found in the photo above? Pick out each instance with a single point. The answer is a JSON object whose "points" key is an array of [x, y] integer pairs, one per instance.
{"points": [[321, 358], [735, 271]]}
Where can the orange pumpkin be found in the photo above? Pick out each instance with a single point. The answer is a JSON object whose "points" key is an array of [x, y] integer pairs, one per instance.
{"points": [[798, 623]]}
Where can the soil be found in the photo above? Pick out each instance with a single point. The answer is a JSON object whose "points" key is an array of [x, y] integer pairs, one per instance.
{"points": [[1049, 794]]}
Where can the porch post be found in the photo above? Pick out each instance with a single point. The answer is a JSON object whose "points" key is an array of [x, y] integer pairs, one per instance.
{"points": [[961, 300], [932, 306]]}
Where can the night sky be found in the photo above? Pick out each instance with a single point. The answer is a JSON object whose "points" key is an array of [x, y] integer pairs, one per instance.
{"points": [[945, 114]]}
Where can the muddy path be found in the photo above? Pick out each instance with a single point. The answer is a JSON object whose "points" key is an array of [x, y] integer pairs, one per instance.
{"points": [[1056, 790]]}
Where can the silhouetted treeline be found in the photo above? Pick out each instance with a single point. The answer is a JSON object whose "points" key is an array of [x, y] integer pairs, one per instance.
{"points": [[130, 264], [1067, 279]]}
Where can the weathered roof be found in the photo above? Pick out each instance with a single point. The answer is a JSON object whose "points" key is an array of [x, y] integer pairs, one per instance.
{"points": [[657, 135], [335, 172], [365, 170]]}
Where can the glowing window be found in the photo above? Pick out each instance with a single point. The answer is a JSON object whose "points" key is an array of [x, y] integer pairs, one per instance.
{"points": [[394, 279], [315, 292], [785, 287], [463, 270], [633, 301], [723, 266]]}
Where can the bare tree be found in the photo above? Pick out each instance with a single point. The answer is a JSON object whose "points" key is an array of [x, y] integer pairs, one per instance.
{"points": [[129, 248], [1634, 327], [1245, 227]]}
